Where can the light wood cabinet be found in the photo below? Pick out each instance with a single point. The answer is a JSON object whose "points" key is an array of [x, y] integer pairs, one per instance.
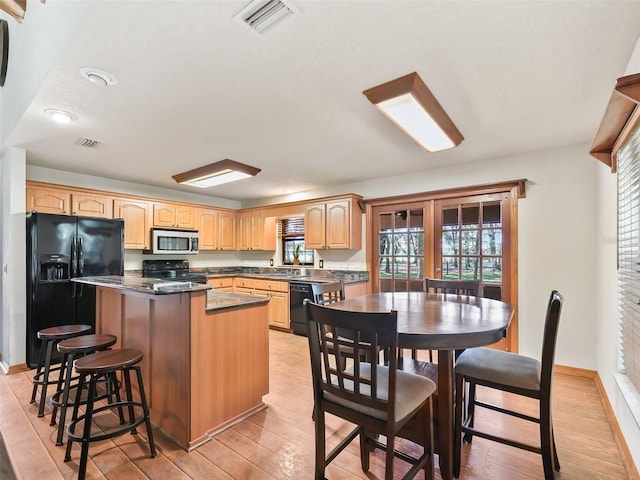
{"points": [[48, 200], [92, 205], [65, 202], [137, 222], [335, 224], [173, 215], [216, 229], [221, 284], [278, 292], [256, 232], [227, 231]]}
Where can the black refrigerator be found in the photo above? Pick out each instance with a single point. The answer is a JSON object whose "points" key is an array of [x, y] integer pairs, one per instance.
{"points": [[61, 247]]}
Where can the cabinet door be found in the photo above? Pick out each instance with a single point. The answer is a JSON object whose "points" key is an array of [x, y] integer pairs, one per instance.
{"points": [[278, 308], [227, 231], [257, 231], [338, 224], [314, 226], [208, 226], [186, 217], [136, 215], [92, 205], [48, 200], [244, 231], [164, 215]]}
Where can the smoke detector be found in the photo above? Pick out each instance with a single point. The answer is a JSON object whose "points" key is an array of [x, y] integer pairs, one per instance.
{"points": [[261, 15]]}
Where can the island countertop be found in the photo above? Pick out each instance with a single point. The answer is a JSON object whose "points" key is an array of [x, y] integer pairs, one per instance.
{"points": [[153, 286]]}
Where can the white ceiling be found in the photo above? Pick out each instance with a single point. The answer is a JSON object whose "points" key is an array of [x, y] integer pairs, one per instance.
{"points": [[195, 86]]}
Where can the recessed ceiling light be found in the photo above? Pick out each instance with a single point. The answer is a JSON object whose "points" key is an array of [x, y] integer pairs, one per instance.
{"points": [[98, 77], [60, 116]]}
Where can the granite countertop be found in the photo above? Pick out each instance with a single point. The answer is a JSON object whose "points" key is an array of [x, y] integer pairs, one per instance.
{"points": [[314, 276], [153, 286], [220, 300]]}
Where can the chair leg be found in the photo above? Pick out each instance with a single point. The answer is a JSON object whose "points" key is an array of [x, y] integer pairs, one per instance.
{"points": [[45, 378], [547, 442], [145, 409], [86, 435], [427, 428], [364, 451], [555, 452], [471, 405], [390, 456], [457, 423], [320, 445]]}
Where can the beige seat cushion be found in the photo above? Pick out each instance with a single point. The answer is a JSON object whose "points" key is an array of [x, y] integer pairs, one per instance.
{"points": [[500, 367], [411, 391]]}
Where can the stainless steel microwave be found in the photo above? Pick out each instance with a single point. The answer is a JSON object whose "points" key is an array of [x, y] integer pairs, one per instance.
{"points": [[173, 242]]}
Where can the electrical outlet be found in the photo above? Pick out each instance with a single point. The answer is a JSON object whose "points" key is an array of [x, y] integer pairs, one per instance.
{"points": [[321, 263], [271, 262]]}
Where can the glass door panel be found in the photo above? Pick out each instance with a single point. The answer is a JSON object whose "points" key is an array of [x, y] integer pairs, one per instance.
{"points": [[400, 256]]}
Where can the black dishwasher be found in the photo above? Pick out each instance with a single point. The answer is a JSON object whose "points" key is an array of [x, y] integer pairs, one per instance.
{"points": [[298, 291]]}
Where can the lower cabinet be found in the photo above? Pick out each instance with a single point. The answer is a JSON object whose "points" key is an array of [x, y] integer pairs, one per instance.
{"points": [[277, 291]]}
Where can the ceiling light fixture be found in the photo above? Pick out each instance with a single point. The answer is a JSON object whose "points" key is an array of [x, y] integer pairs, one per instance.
{"points": [[60, 116], [217, 173], [408, 102], [98, 77]]}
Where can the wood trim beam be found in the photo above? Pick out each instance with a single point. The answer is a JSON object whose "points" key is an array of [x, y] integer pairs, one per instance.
{"points": [[623, 102], [498, 187]]}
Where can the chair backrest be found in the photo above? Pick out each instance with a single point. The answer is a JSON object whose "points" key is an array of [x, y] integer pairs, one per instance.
{"points": [[549, 340], [324, 293], [456, 287], [338, 362]]}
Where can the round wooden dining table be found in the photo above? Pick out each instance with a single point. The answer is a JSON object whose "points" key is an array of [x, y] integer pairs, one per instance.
{"points": [[442, 322]]}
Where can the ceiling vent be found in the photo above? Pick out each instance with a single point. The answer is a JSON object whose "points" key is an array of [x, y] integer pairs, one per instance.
{"points": [[88, 142], [261, 15]]}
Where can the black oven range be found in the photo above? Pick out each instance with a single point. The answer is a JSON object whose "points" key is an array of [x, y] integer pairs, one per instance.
{"points": [[173, 270]]}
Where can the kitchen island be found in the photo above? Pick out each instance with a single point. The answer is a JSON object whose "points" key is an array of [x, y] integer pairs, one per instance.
{"points": [[206, 354]]}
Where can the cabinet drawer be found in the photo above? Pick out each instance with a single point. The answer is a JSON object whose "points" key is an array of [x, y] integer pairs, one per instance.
{"points": [[243, 282], [220, 282], [271, 285]]}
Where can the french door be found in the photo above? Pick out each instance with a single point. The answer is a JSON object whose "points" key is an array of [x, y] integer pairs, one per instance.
{"points": [[463, 237]]}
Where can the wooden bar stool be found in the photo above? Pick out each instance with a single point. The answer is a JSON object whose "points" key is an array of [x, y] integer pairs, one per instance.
{"points": [[93, 367], [50, 338], [72, 348]]}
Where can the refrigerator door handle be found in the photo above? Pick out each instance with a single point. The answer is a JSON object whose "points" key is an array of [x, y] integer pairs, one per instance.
{"points": [[74, 258], [80, 258]]}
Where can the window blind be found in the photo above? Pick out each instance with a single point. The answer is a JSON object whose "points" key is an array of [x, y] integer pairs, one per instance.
{"points": [[290, 226], [629, 258]]}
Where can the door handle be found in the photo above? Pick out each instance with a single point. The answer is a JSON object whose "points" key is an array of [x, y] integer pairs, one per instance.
{"points": [[80, 258], [74, 259]]}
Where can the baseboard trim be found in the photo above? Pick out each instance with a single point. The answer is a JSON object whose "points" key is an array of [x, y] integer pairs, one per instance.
{"points": [[21, 367], [578, 372]]}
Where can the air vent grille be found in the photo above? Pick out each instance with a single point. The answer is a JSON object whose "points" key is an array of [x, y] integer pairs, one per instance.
{"points": [[88, 142], [260, 15]]}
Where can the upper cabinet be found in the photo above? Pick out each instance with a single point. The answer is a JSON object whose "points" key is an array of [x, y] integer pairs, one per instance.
{"points": [[48, 200], [54, 200], [217, 229], [137, 222], [334, 224], [256, 232], [174, 215]]}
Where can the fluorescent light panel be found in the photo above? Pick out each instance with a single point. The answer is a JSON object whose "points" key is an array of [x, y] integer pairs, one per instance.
{"points": [[409, 103], [217, 173]]}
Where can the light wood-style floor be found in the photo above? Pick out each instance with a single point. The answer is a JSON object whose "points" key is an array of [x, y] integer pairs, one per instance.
{"points": [[277, 443]]}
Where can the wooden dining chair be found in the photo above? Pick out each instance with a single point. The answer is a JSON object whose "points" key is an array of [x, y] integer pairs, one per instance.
{"points": [[514, 373], [378, 399], [449, 287], [324, 293]]}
